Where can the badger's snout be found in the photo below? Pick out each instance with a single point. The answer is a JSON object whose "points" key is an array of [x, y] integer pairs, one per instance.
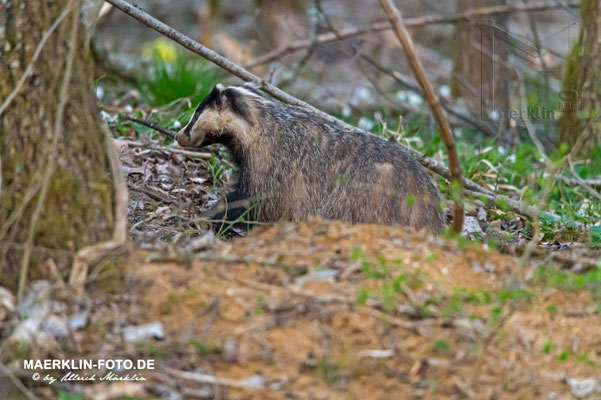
{"points": [[183, 138]]}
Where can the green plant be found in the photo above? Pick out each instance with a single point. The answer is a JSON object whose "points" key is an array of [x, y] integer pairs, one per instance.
{"points": [[563, 356], [547, 347], [69, 396], [442, 346], [330, 372], [173, 77], [204, 349]]}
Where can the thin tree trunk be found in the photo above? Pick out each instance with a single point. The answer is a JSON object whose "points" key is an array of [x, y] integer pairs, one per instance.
{"points": [[480, 76], [579, 124], [76, 209]]}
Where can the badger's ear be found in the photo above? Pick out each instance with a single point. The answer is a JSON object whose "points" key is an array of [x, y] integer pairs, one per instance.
{"points": [[215, 97], [221, 90]]}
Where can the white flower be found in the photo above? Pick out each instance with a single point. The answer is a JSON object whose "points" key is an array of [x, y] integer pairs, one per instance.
{"points": [[445, 91], [415, 99], [365, 124], [346, 111]]}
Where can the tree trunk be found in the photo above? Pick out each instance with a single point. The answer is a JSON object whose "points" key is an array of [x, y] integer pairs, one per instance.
{"points": [[77, 207], [480, 76], [581, 96]]}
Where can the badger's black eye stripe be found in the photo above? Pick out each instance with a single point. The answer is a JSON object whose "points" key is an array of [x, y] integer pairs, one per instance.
{"points": [[211, 99], [237, 104]]}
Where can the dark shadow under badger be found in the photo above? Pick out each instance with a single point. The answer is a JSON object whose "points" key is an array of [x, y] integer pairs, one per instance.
{"points": [[293, 164]]}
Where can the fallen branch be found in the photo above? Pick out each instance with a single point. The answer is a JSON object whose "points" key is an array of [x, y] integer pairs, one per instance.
{"points": [[187, 153], [211, 379], [151, 125], [153, 193], [579, 181], [18, 384], [410, 22], [396, 20]]}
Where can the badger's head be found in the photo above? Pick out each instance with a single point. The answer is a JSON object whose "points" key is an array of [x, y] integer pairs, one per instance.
{"points": [[224, 114]]}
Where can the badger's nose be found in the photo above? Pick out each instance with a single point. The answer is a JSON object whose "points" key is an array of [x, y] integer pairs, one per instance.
{"points": [[182, 138]]}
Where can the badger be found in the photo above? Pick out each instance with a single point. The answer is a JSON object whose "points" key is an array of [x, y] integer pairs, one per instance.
{"points": [[293, 165]]}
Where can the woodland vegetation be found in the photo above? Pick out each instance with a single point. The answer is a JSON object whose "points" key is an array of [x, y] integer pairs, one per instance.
{"points": [[105, 253]]}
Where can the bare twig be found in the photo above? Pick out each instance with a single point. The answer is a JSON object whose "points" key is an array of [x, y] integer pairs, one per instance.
{"points": [[18, 384], [314, 23], [396, 20], [152, 192], [403, 81], [212, 313], [16, 215], [211, 379], [151, 125], [587, 187], [188, 153], [57, 131], [528, 124], [36, 55], [579, 181], [409, 22]]}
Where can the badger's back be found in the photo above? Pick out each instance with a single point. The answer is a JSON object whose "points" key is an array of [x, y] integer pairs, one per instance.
{"points": [[301, 165]]}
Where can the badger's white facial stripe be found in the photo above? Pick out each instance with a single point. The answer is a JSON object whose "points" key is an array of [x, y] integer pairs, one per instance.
{"points": [[246, 91], [219, 86]]}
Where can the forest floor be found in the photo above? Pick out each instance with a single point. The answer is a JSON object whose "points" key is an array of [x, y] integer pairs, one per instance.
{"points": [[326, 310]]}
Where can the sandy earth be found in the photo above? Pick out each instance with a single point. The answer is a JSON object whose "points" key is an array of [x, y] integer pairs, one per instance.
{"points": [[257, 320]]}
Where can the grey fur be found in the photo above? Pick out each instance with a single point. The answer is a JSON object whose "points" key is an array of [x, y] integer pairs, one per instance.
{"points": [[301, 165]]}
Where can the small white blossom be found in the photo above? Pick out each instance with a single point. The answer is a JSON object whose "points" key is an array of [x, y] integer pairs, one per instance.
{"points": [[445, 91], [365, 124], [108, 117], [346, 111]]}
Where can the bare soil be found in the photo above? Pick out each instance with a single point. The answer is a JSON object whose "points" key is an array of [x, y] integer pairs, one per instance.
{"points": [[242, 311]]}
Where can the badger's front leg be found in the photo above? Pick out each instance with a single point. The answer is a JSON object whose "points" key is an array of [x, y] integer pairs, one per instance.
{"points": [[235, 208]]}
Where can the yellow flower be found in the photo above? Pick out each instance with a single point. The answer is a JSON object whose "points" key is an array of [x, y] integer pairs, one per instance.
{"points": [[160, 49]]}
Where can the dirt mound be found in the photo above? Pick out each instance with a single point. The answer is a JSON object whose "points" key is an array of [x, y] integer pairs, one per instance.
{"points": [[332, 311]]}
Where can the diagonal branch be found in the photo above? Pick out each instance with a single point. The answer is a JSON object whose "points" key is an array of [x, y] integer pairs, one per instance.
{"points": [[376, 27], [396, 20], [4, 370]]}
